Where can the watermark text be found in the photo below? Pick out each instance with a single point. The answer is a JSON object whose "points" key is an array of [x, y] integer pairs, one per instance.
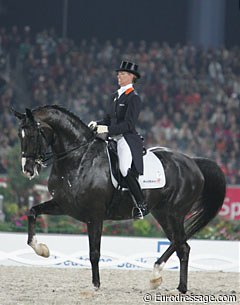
{"points": [[187, 298]]}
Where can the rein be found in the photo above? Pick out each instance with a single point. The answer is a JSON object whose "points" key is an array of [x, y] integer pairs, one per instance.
{"points": [[59, 156]]}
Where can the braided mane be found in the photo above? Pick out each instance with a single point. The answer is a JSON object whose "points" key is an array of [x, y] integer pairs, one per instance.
{"points": [[61, 109], [69, 120]]}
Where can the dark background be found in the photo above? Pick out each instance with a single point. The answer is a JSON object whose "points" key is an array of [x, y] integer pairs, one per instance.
{"points": [[161, 20]]}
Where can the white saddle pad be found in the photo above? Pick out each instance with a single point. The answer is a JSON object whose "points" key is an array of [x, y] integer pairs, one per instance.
{"points": [[154, 175]]}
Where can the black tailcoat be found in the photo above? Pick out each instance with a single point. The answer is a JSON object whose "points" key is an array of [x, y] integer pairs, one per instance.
{"points": [[121, 118]]}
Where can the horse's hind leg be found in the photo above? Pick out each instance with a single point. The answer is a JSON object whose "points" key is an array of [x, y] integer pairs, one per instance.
{"points": [[174, 229], [182, 250], [156, 279], [49, 207], [183, 255]]}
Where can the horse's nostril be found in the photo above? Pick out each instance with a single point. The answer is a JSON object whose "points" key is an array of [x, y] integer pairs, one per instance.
{"points": [[29, 168], [29, 172]]}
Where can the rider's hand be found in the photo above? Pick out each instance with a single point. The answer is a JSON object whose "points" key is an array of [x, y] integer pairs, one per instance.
{"points": [[102, 129], [92, 125]]}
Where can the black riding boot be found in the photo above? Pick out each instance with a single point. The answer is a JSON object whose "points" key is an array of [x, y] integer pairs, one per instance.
{"points": [[140, 209]]}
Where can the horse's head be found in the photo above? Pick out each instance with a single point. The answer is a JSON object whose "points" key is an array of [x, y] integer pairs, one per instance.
{"points": [[34, 136]]}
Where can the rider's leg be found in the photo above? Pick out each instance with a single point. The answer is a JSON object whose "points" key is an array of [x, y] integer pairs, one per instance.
{"points": [[125, 163], [135, 189]]}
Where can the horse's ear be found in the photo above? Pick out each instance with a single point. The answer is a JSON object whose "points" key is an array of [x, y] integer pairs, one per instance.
{"points": [[29, 115], [17, 114]]}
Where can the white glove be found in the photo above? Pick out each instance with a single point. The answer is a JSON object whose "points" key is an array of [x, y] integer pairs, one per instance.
{"points": [[92, 125], [102, 129]]}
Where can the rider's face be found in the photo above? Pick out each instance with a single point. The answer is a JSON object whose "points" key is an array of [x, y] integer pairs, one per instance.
{"points": [[124, 78]]}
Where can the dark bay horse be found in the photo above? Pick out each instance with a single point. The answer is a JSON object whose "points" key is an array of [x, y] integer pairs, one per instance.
{"points": [[81, 187]]}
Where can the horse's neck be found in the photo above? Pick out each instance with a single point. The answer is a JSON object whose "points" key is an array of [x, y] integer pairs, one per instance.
{"points": [[68, 131]]}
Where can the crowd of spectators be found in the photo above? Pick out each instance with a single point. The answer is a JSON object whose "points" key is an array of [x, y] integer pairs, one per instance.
{"points": [[191, 96]]}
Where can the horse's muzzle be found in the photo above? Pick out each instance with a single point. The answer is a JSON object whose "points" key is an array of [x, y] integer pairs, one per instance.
{"points": [[30, 168]]}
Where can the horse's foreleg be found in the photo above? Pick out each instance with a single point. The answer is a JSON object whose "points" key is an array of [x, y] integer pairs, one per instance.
{"points": [[95, 233], [39, 248], [51, 208]]}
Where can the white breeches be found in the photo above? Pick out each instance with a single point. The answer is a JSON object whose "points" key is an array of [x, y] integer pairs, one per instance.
{"points": [[124, 156]]}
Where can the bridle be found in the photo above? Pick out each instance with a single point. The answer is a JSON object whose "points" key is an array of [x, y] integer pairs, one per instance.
{"points": [[37, 154], [43, 158]]}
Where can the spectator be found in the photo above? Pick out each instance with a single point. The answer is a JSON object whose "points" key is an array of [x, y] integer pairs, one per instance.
{"points": [[191, 96]]}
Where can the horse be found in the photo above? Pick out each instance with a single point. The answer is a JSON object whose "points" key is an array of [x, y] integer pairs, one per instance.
{"points": [[81, 187]]}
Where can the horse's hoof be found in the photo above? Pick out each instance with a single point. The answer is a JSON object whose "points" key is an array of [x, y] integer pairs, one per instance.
{"points": [[174, 292], [96, 286], [155, 283], [42, 250], [156, 278], [182, 289]]}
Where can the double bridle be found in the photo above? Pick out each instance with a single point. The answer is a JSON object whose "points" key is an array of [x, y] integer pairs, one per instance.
{"points": [[41, 157], [37, 154]]}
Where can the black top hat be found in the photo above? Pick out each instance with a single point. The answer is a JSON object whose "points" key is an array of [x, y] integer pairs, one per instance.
{"points": [[129, 67]]}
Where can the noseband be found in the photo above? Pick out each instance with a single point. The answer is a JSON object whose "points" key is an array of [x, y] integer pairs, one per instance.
{"points": [[37, 155]]}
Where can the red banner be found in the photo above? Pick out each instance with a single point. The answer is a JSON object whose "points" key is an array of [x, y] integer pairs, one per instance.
{"points": [[231, 206]]}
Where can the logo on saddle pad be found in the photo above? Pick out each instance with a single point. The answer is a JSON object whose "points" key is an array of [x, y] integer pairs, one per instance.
{"points": [[153, 176]]}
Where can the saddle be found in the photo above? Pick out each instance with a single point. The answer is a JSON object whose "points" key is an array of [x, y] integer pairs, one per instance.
{"points": [[153, 177]]}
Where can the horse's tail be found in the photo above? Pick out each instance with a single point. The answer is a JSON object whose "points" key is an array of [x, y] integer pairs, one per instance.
{"points": [[212, 198]]}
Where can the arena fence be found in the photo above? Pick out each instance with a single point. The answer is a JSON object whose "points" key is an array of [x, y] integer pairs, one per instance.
{"points": [[71, 251]]}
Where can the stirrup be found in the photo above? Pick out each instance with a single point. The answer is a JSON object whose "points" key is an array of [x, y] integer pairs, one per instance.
{"points": [[144, 208], [137, 213]]}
